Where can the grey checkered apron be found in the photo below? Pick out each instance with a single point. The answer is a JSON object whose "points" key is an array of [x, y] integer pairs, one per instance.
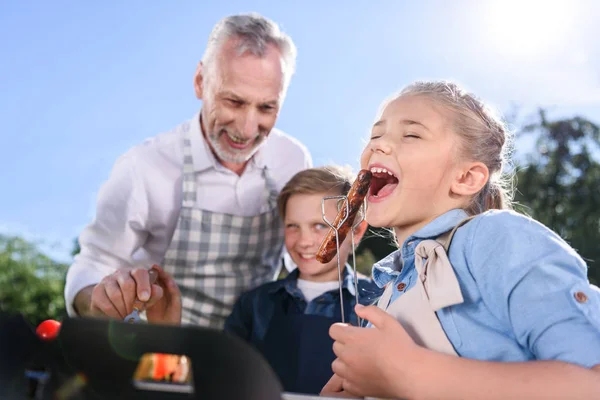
{"points": [[215, 257]]}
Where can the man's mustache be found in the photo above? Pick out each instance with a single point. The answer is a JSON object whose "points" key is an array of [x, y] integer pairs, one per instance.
{"points": [[259, 135]]}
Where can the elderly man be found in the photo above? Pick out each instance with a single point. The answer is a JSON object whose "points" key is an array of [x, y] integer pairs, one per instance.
{"points": [[199, 200]]}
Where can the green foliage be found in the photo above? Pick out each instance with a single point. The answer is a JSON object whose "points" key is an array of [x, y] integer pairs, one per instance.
{"points": [[364, 262], [375, 245], [379, 241], [560, 185], [30, 282], [76, 248]]}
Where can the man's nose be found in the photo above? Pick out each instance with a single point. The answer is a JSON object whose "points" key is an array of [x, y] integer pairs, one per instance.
{"points": [[250, 124]]}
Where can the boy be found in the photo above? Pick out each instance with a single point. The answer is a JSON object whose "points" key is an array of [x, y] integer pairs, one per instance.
{"points": [[288, 320]]}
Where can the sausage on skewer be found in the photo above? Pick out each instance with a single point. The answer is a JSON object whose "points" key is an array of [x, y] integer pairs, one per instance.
{"points": [[356, 197]]}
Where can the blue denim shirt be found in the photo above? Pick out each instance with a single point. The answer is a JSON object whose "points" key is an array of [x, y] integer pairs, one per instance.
{"points": [[526, 292], [254, 310]]}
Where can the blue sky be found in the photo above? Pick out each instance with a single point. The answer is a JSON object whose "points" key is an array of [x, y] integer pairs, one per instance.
{"points": [[82, 82]]}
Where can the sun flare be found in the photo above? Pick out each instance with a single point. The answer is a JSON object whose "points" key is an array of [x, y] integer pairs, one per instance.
{"points": [[529, 27]]}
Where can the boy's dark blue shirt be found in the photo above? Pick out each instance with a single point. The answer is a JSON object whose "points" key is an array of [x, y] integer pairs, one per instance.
{"points": [[254, 310]]}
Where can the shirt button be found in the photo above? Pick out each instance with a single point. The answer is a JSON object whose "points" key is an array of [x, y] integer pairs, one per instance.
{"points": [[581, 297], [401, 286]]}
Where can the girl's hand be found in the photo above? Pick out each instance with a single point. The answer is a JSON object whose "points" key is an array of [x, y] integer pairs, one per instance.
{"points": [[382, 361], [335, 388]]}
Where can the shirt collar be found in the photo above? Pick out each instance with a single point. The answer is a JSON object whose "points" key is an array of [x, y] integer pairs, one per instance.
{"points": [[203, 157], [440, 225], [390, 266], [387, 268], [258, 159]]}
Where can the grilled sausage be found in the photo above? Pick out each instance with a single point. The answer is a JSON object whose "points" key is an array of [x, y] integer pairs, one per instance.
{"points": [[356, 197]]}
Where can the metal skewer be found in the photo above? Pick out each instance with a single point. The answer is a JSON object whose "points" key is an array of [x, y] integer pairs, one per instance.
{"points": [[337, 244], [361, 218], [138, 305]]}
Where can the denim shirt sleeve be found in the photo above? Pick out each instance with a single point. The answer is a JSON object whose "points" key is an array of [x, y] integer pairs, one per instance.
{"points": [[537, 285], [239, 321]]}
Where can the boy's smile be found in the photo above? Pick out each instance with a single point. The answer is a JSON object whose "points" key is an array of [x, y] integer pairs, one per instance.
{"points": [[304, 232]]}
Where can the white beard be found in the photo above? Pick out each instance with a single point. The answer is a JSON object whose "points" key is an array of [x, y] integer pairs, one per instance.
{"points": [[231, 155]]}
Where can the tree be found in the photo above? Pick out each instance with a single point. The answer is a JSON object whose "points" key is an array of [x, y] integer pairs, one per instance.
{"points": [[76, 247], [30, 282], [375, 245], [560, 183], [364, 262]]}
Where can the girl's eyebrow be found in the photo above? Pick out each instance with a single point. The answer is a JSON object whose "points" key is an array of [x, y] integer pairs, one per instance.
{"points": [[411, 122], [403, 122]]}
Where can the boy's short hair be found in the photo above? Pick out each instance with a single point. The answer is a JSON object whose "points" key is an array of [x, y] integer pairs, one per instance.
{"points": [[333, 180]]}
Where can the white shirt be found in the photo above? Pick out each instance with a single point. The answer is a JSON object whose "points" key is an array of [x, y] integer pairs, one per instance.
{"points": [[138, 206], [311, 290]]}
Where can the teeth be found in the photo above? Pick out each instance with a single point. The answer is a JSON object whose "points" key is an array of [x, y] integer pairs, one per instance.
{"points": [[303, 255], [236, 139], [381, 171]]}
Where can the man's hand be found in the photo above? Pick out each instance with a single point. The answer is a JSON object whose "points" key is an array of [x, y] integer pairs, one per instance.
{"points": [[82, 301], [115, 295], [165, 301]]}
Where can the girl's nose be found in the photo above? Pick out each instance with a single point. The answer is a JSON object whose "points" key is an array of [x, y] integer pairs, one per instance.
{"points": [[381, 145], [377, 146]]}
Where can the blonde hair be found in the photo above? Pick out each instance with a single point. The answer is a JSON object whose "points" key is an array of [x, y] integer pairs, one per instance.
{"points": [[333, 180], [485, 138]]}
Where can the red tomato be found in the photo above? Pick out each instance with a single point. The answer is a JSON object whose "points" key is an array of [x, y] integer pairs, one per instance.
{"points": [[48, 330]]}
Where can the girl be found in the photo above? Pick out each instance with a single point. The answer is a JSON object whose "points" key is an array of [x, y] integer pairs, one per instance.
{"points": [[482, 302]]}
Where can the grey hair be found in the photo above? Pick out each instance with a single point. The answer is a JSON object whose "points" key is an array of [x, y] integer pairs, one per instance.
{"points": [[254, 32], [485, 138]]}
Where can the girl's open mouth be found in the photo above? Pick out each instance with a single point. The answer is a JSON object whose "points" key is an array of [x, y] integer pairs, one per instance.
{"points": [[383, 184]]}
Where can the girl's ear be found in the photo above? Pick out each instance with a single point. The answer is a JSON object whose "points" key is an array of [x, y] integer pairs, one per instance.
{"points": [[470, 179]]}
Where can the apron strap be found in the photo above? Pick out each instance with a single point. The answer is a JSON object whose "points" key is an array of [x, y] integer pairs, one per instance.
{"points": [[446, 238], [270, 187], [189, 176], [385, 298], [437, 275], [434, 272]]}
